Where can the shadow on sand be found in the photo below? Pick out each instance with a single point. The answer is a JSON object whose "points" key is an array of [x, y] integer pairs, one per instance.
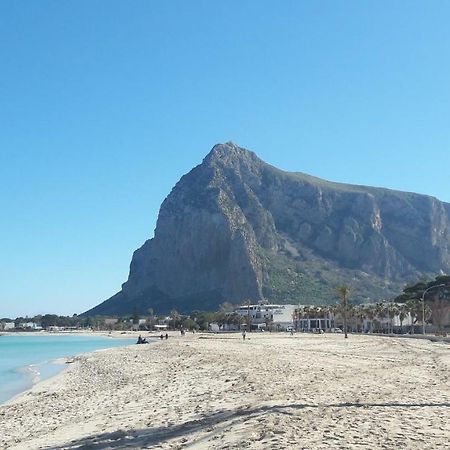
{"points": [[158, 435]]}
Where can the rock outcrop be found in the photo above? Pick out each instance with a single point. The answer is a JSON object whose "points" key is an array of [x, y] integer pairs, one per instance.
{"points": [[236, 228]]}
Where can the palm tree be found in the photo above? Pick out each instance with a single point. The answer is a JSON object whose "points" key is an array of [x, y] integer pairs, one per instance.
{"points": [[370, 314], [392, 311], [331, 311], [402, 313], [352, 314], [315, 312], [380, 311], [344, 292], [327, 310], [249, 319], [360, 314], [307, 313], [297, 316], [414, 309]]}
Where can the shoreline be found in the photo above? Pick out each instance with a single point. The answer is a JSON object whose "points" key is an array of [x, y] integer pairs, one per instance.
{"points": [[32, 374], [111, 334], [155, 334], [41, 384], [272, 391]]}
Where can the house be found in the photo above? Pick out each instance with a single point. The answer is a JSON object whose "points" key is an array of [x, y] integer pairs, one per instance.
{"points": [[29, 326], [7, 326]]}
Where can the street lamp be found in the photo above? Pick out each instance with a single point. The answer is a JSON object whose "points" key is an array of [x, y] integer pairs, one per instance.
{"points": [[423, 304]]}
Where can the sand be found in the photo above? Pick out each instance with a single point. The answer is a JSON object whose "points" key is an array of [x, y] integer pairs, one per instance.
{"points": [[273, 391]]}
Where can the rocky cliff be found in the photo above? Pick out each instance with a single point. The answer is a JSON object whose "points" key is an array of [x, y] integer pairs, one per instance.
{"points": [[236, 228]]}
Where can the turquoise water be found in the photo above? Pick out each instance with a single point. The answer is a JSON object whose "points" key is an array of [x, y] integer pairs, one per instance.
{"points": [[25, 360]]}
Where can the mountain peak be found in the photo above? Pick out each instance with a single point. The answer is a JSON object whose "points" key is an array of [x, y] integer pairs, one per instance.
{"points": [[229, 153]]}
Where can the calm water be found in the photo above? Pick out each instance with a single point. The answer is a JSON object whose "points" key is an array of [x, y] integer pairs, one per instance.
{"points": [[25, 360]]}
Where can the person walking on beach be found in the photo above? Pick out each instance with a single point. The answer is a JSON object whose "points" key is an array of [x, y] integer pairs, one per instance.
{"points": [[244, 333], [167, 336]]}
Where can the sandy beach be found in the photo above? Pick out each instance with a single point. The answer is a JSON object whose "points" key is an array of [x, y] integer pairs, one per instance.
{"points": [[217, 392]]}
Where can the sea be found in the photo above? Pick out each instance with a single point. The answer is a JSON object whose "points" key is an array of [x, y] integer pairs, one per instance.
{"points": [[26, 360]]}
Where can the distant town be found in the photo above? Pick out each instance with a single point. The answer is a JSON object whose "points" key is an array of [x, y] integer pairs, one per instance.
{"points": [[382, 317]]}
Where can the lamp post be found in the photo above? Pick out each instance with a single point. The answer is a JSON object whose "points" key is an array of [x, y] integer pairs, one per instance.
{"points": [[423, 304]]}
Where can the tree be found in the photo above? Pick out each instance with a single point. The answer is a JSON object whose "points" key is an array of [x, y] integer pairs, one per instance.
{"points": [[150, 322], [297, 316], [135, 317], [370, 314], [49, 320], [175, 317], [360, 314], [249, 318], [351, 314], [202, 319], [392, 311], [414, 307], [380, 314], [269, 322], [344, 292], [235, 319], [402, 313], [331, 312], [188, 324], [221, 318], [437, 299]]}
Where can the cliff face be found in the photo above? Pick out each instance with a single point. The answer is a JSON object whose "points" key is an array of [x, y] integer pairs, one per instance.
{"points": [[236, 228]]}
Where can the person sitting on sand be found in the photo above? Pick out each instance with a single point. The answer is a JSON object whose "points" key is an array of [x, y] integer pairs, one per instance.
{"points": [[139, 341]]}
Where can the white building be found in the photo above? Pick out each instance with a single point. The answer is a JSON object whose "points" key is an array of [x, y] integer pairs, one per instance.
{"points": [[30, 326], [6, 326], [316, 323], [279, 317]]}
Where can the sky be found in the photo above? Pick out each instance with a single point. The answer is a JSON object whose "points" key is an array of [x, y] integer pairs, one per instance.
{"points": [[104, 105]]}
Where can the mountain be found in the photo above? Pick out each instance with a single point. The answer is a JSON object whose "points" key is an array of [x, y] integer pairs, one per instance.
{"points": [[236, 228]]}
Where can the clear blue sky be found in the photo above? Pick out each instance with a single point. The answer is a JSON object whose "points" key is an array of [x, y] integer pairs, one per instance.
{"points": [[105, 104]]}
